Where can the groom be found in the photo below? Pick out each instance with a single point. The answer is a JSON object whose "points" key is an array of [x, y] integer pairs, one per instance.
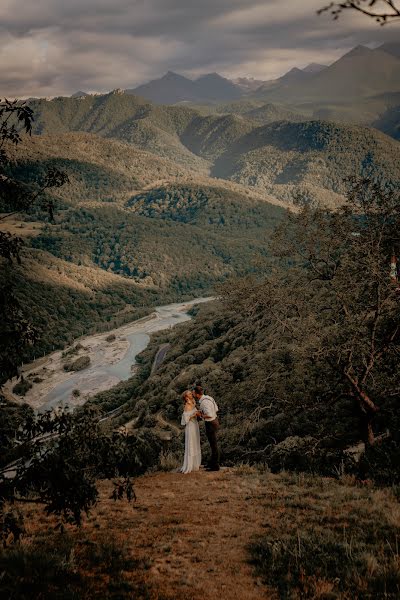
{"points": [[209, 409]]}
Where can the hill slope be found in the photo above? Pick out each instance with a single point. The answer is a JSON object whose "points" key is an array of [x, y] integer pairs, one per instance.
{"points": [[120, 116], [122, 226], [389, 122], [315, 153], [64, 300]]}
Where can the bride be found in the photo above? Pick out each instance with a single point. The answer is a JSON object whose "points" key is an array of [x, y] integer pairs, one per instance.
{"points": [[192, 460]]}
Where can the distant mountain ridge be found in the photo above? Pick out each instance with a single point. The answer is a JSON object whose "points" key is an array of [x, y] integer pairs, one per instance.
{"points": [[358, 75], [353, 88], [173, 88], [79, 94], [314, 68]]}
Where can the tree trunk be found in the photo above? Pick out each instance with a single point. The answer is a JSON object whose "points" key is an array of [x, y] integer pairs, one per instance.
{"points": [[367, 407]]}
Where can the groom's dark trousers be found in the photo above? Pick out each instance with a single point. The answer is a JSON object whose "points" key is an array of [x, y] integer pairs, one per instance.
{"points": [[211, 433]]}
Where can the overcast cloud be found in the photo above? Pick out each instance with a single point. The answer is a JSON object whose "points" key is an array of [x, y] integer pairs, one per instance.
{"points": [[55, 47]]}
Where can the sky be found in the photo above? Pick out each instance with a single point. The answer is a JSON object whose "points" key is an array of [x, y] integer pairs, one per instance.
{"points": [[57, 47]]}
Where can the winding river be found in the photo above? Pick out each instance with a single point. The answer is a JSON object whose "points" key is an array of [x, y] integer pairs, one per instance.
{"points": [[103, 372]]}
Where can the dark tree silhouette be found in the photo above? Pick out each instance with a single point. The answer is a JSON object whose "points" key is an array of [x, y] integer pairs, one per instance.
{"points": [[383, 11]]}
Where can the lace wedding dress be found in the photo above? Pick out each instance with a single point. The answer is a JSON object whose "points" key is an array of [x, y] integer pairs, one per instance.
{"points": [[192, 460]]}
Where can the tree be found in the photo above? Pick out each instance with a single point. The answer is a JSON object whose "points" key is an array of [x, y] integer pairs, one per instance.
{"points": [[16, 331], [57, 460], [331, 309], [383, 11]]}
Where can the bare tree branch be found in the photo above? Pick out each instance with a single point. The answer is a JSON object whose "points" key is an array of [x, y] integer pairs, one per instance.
{"points": [[383, 11]]}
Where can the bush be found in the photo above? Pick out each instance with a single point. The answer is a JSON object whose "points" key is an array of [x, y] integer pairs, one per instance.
{"points": [[292, 453], [22, 387], [110, 338], [77, 365], [76, 393], [169, 461]]}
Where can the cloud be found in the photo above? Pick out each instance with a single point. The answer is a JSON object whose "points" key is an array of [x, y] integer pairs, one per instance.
{"points": [[54, 47]]}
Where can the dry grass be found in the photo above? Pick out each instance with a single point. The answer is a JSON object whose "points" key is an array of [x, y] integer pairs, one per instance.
{"points": [[241, 533], [23, 229], [332, 540]]}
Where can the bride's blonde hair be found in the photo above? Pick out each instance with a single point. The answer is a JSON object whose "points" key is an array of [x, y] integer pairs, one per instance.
{"points": [[185, 394]]}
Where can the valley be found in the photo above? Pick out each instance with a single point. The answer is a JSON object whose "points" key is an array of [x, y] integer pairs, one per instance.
{"points": [[149, 184]]}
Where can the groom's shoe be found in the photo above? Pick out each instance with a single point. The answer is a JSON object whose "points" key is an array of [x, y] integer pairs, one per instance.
{"points": [[211, 468]]}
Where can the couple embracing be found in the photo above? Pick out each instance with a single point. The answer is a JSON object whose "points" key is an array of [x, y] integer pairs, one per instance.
{"points": [[207, 412]]}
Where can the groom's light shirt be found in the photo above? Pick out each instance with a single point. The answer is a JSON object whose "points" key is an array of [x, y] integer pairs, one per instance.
{"points": [[208, 407]]}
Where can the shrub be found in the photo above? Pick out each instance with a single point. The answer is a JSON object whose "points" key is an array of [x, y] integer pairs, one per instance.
{"points": [[292, 453], [110, 338], [77, 365], [22, 387], [169, 461], [59, 568]]}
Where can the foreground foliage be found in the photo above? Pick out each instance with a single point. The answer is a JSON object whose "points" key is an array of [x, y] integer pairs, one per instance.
{"points": [[55, 460], [66, 568]]}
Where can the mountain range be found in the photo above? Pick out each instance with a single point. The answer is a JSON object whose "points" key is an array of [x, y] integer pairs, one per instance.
{"points": [[173, 88], [363, 86], [359, 74], [270, 148]]}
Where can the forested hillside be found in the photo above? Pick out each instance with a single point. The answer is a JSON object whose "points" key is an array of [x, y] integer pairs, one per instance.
{"points": [[121, 226], [65, 300], [218, 232], [271, 158], [318, 153], [120, 116], [389, 121]]}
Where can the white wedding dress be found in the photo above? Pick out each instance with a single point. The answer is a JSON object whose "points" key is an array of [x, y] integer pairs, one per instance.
{"points": [[192, 460]]}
